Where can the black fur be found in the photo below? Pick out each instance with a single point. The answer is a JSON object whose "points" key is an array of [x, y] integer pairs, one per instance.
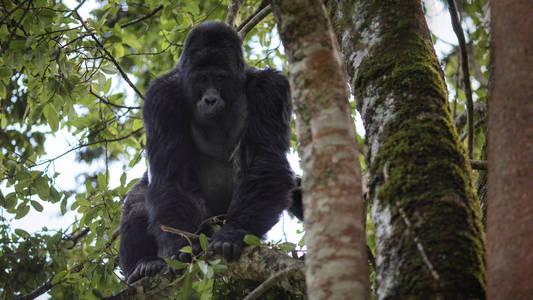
{"points": [[217, 131]]}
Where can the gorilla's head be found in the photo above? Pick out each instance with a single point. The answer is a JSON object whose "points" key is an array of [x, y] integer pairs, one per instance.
{"points": [[214, 70]]}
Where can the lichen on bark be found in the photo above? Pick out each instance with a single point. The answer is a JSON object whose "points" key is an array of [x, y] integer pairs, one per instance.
{"points": [[429, 238], [336, 263]]}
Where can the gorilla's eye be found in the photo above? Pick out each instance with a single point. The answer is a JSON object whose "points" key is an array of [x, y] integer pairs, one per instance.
{"points": [[220, 77], [200, 78]]}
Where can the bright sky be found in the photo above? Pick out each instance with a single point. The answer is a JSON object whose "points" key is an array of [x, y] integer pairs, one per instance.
{"points": [[51, 217]]}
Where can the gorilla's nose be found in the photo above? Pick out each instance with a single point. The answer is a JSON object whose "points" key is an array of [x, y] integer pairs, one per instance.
{"points": [[210, 100]]}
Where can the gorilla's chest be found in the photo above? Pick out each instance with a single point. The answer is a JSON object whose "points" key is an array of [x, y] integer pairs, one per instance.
{"points": [[216, 182]]}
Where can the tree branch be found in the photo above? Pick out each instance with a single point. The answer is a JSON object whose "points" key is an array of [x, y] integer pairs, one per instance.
{"points": [[38, 291], [480, 111], [261, 5], [140, 19], [466, 74], [46, 286], [479, 164], [256, 263], [76, 237], [233, 10], [258, 17], [263, 287], [113, 60]]}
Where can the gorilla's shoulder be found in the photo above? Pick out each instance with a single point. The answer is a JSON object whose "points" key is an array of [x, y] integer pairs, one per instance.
{"points": [[267, 78]]}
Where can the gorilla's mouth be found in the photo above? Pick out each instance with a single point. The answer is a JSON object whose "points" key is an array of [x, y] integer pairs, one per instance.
{"points": [[208, 112]]}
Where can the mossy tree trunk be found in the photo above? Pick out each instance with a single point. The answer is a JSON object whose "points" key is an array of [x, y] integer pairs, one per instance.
{"points": [[510, 152], [429, 237], [336, 262]]}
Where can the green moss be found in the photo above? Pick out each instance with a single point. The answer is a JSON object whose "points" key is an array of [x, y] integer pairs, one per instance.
{"points": [[421, 167]]}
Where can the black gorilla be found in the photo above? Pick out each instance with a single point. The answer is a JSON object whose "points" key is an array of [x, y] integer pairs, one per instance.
{"points": [[217, 131]]}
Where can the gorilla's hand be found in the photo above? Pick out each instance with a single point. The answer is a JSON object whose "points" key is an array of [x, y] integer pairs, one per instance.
{"points": [[228, 242], [186, 257], [148, 266]]}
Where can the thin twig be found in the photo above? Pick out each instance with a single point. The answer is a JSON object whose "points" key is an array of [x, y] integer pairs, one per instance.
{"points": [[476, 125], [179, 232], [246, 28], [113, 60], [466, 74], [263, 287], [110, 103], [6, 45], [76, 237], [12, 11], [233, 10], [86, 145], [140, 19], [479, 164]]}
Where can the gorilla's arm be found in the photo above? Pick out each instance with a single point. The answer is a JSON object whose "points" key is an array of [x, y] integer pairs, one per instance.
{"points": [[169, 199], [264, 179], [135, 241]]}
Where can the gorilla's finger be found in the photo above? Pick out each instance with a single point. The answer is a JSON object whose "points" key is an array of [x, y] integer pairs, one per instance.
{"points": [[142, 270], [226, 250], [237, 250], [218, 247], [135, 275]]}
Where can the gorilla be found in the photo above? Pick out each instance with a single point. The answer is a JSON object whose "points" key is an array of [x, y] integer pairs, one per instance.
{"points": [[217, 133]]}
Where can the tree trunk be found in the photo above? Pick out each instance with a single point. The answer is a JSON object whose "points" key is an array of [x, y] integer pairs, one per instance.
{"points": [[429, 238], [336, 263], [510, 151]]}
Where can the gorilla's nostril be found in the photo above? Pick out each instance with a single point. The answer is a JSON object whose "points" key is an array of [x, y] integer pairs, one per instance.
{"points": [[210, 100]]}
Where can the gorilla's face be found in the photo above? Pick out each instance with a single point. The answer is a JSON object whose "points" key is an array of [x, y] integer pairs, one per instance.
{"points": [[211, 93], [207, 87]]}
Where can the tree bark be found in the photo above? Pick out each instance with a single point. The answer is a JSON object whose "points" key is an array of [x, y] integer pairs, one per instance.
{"points": [[510, 152], [336, 263], [429, 238]]}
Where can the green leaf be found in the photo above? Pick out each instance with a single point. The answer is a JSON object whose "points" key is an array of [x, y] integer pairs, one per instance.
{"points": [[204, 242], [107, 86], [38, 207], [220, 268], [252, 240], [287, 247], [88, 216], [176, 264], [123, 179], [5, 73], [22, 210], [52, 116], [186, 249], [40, 184], [108, 69], [59, 276], [206, 269], [186, 289], [101, 180], [63, 206], [22, 233], [11, 200], [54, 194]]}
